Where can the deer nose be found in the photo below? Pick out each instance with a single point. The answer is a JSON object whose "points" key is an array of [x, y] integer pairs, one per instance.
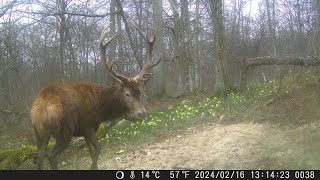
{"points": [[141, 113]]}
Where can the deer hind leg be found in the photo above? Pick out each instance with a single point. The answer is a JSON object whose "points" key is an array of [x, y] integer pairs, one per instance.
{"points": [[62, 143], [42, 144], [94, 147]]}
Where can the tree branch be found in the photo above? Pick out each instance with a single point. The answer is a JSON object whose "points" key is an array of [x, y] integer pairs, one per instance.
{"points": [[70, 14], [7, 8], [6, 111]]}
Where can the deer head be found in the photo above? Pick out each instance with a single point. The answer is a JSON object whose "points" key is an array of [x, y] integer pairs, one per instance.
{"points": [[129, 86]]}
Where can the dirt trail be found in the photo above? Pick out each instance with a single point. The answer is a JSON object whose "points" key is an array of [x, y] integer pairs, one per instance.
{"points": [[211, 146]]}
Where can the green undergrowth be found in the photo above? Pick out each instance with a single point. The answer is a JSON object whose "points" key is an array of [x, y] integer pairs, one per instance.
{"points": [[185, 114], [194, 110]]}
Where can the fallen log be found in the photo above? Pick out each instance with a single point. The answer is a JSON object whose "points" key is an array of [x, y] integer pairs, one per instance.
{"points": [[259, 61], [299, 61]]}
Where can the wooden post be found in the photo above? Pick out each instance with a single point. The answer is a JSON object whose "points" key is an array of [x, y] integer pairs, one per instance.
{"points": [[243, 75]]}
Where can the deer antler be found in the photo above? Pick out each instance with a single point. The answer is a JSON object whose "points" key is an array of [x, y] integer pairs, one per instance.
{"points": [[148, 65], [145, 69], [103, 57]]}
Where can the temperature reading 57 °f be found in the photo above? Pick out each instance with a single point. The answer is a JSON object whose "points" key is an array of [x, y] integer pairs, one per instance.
{"points": [[148, 174], [177, 174]]}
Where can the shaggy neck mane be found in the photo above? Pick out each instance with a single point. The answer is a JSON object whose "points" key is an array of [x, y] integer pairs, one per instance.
{"points": [[113, 103]]}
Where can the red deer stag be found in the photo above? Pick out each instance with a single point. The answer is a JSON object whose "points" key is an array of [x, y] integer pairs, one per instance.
{"points": [[76, 109]]}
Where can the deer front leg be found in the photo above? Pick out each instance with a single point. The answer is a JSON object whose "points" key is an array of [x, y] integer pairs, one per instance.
{"points": [[94, 147]]}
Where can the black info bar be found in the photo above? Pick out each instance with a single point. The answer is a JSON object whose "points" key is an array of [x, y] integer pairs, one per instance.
{"points": [[161, 174]]}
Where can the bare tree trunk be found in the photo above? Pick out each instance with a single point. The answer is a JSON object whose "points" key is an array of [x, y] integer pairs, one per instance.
{"points": [[186, 45], [179, 61], [158, 82], [222, 70], [197, 63], [317, 43], [73, 67], [271, 28], [126, 24], [112, 53], [62, 9], [317, 29]]}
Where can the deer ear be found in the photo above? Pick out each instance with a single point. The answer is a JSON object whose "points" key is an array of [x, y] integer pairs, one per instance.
{"points": [[113, 80]]}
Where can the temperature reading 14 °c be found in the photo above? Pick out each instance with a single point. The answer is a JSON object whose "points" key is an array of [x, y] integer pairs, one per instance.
{"points": [[150, 174]]}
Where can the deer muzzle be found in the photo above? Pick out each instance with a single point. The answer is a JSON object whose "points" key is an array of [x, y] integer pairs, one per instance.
{"points": [[141, 113]]}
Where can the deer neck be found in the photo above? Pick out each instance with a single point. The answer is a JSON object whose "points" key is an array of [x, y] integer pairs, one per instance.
{"points": [[113, 104]]}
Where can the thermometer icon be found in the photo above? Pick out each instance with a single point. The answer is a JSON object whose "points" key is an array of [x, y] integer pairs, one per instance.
{"points": [[132, 176]]}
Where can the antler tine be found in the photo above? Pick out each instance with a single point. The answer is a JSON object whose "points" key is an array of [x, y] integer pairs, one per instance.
{"points": [[148, 65], [103, 47], [103, 57], [140, 76], [103, 33], [141, 33], [153, 65]]}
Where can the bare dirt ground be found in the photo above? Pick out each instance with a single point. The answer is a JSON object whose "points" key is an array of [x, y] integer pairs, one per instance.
{"points": [[218, 146]]}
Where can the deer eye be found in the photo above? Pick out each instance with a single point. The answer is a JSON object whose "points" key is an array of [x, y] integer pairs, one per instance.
{"points": [[127, 94]]}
